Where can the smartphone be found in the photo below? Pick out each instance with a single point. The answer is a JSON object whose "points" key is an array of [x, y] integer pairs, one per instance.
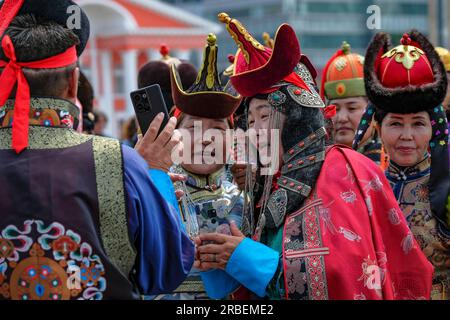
{"points": [[148, 102]]}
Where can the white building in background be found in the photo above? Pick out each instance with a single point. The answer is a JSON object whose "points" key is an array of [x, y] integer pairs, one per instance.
{"points": [[126, 34]]}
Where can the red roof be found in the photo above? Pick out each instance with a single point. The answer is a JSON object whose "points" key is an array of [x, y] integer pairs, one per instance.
{"points": [[150, 19]]}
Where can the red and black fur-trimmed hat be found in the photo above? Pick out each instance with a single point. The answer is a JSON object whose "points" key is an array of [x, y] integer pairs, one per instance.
{"points": [[256, 67], [408, 78]]}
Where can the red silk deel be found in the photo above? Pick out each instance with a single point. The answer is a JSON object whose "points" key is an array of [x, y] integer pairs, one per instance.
{"points": [[363, 246], [13, 74]]}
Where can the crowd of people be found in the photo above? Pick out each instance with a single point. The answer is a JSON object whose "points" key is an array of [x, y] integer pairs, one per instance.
{"points": [[354, 203]]}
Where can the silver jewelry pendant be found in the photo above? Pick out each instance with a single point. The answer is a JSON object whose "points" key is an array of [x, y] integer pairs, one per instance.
{"points": [[276, 98], [303, 72], [305, 98]]}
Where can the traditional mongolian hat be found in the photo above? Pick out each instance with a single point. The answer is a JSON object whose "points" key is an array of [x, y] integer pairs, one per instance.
{"points": [[207, 97], [343, 75], [268, 41], [280, 74], [259, 68], [164, 50], [58, 11], [444, 54], [158, 72], [407, 78], [410, 78]]}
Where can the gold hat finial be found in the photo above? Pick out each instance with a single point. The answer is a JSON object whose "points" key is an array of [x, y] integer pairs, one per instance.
{"points": [[211, 40], [224, 17], [345, 47], [240, 35], [268, 41], [165, 56], [208, 77]]}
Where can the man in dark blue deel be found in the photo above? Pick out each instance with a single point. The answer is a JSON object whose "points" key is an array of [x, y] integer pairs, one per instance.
{"points": [[80, 217]]}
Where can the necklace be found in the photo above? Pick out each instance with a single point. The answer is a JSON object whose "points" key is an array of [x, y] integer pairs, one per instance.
{"points": [[188, 212], [191, 210]]}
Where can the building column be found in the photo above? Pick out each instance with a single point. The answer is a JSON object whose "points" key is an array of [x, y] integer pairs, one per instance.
{"points": [[107, 100], [94, 65], [130, 73]]}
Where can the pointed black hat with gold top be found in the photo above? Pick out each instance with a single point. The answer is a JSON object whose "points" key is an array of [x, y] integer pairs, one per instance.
{"points": [[206, 98]]}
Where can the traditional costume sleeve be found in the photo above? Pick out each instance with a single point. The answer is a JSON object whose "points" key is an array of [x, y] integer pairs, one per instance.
{"points": [[253, 264], [165, 254], [218, 284], [165, 186]]}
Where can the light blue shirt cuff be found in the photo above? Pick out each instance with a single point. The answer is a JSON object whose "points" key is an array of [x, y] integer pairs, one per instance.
{"points": [[165, 186], [218, 284], [253, 264]]}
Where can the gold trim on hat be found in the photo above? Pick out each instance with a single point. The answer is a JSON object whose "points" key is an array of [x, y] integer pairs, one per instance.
{"points": [[210, 61], [268, 41], [225, 18], [406, 55], [181, 90], [265, 64]]}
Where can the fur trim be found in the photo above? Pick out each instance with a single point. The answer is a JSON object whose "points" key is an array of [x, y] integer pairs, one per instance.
{"points": [[410, 99]]}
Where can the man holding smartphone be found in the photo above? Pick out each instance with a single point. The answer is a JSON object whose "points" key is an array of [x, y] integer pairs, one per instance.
{"points": [[210, 202]]}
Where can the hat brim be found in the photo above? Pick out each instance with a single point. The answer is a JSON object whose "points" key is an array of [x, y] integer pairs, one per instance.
{"points": [[285, 56], [205, 104], [57, 11], [410, 99]]}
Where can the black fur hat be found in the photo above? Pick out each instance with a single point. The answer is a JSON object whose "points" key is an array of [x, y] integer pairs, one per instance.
{"points": [[63, 12], [412, 97]]}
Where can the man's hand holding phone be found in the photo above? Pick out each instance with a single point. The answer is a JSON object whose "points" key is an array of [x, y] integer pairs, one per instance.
{"points": [[157, 149]]}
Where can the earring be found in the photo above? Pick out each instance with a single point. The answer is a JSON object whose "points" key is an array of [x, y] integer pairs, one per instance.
{"points": [[384, 159]]}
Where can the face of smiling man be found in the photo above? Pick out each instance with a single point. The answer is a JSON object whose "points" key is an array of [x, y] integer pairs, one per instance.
{"points": [[203, 142]]}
